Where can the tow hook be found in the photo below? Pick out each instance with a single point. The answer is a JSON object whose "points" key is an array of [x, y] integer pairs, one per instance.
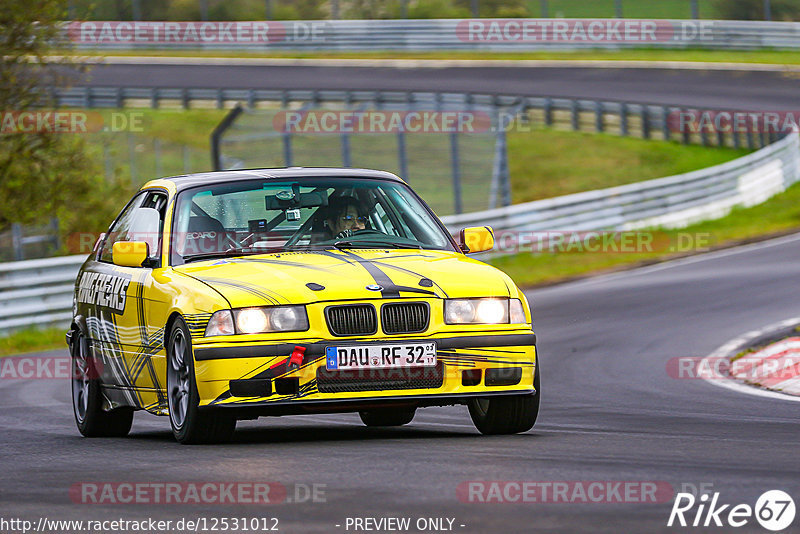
{"points": [[296, 359]]}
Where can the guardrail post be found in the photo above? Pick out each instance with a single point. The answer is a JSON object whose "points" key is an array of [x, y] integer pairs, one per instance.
{"points": [[737, 140], [251, 98], [505, 177], [695, 10], [665, 123], [704, 137], [154, 98], [645, 123], [220, 101], [543, 4], [575, 118], [346, 150], [118, 98], [751, 144], [598, 116], [454, 159], [401, 154], [618, 8], [623, 119], [548, 111], [720, 138], [86, 97], [287, 149], [185, 104], [16, 241]]}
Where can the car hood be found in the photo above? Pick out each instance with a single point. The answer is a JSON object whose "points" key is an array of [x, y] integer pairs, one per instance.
{"points": [[311, 276]]}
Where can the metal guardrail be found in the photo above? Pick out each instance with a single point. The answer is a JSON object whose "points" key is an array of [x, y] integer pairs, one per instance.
{"points": [[671, 202], [437, 34], [37, 292], [627, 119]]}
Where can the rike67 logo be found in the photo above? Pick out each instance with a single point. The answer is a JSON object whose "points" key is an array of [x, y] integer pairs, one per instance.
{"points": [[774, 510]]}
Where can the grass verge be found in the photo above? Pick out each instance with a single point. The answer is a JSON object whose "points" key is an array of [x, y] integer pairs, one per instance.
{"points": [[33, 340], [778, 215]]}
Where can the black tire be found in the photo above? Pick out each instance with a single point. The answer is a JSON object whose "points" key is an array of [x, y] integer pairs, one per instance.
{"points": [[87, 399], [507, 415], [190, 424], [388, 416]]}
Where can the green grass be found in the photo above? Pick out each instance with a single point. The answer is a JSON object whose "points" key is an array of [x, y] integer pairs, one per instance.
{"points": [[772, 57], [780, 214], [654, 9], [547, 163], [33, 340]]}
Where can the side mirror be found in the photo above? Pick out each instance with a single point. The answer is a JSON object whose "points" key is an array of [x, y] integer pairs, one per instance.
{"points": [[477, 239], [130, 253]]}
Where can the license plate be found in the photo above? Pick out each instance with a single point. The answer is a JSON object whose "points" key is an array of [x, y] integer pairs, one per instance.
{"points": [[380, 356]]}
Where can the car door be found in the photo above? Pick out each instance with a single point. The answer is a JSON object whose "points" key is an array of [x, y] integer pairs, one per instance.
{"points": [[118, 318]]}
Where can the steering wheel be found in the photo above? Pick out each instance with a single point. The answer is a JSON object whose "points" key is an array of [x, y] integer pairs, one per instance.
{"points": [[365, 231]]}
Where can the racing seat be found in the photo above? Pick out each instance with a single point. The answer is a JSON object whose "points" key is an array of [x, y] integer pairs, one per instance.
{"points": [[205, 235]]}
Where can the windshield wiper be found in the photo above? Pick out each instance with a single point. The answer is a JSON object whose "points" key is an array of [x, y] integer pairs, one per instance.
{"points": [[230, 253], [373, 244]]}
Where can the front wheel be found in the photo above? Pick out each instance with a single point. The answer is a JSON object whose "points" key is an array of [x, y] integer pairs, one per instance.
{"points": [[388, 417], [87, 399], [507, 415], [190, 424]]}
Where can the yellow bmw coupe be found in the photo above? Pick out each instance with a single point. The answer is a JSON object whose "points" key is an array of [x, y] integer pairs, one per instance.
{"points": [[233, 295]]}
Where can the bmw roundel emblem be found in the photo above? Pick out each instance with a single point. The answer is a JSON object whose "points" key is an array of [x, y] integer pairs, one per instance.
{"points": [[375, 287]]}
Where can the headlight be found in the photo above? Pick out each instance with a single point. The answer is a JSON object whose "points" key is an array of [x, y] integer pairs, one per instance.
{"points": [[271, 319], [258, 320], [476, 311], [517, 314], [220, 324]]}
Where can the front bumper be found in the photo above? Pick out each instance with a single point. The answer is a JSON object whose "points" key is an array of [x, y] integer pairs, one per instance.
{"points": [[261, 378]]}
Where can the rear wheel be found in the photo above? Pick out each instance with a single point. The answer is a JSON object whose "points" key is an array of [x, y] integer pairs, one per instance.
{"points": [[388, 416], [507, 415], [189, 423], [87, 400]]}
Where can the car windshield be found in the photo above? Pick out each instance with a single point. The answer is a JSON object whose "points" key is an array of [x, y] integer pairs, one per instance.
{"points": [[252, 217]]}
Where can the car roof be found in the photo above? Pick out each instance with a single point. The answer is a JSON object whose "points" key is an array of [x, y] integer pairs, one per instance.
{"points": [[206, 178]]}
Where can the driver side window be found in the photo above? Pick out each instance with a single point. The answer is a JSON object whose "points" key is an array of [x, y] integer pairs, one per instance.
{"points": [[131, 226]]}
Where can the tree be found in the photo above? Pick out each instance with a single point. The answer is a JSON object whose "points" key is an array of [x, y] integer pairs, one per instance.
{"points": [[42, 173]]}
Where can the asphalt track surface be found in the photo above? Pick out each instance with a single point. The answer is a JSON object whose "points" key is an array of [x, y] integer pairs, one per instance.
{"points": [[610, 412], [707, 89]]}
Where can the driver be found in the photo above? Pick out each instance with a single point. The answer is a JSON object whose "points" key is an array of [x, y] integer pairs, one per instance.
{"points": [[346, 215]]}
